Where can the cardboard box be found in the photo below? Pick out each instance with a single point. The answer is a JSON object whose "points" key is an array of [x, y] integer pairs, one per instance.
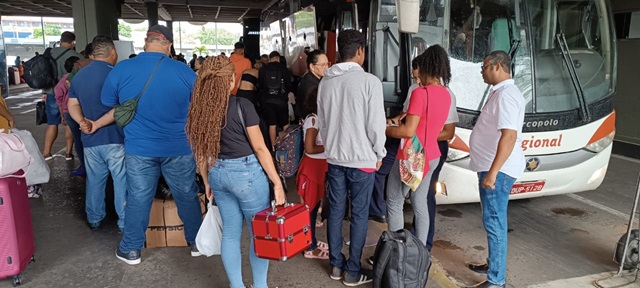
{"points": [[165, 227], [156, 230]]}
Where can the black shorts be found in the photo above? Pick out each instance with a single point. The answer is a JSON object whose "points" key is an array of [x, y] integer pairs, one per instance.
{"points": [[276, 114]]}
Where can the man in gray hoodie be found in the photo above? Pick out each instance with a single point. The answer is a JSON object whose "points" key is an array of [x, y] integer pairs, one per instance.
{"points": [[352, 126]]}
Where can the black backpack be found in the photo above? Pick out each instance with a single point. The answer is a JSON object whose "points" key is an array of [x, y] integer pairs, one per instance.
{"points": [[40, 72], [274, 85], [400, 261]]}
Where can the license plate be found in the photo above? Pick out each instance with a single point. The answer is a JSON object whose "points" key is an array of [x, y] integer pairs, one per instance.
{"points": [[525, 187]]}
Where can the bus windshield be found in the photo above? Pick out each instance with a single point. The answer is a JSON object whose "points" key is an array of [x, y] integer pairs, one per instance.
{"points": [[529, 31], [583, 27]]}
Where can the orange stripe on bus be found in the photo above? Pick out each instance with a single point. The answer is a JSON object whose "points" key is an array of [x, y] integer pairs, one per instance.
{"points": [[608, 126], [458, 144]]}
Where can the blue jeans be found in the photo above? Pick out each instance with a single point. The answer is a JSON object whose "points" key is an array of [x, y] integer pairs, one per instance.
{"points": [[102, 160], [241, 190], [77, 141], [357, 185], [52, 110], [494, 217], [378, 206], [142, 181]]}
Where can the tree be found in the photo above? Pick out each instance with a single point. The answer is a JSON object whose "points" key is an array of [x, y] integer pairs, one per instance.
{"points": [[208, 36], [201, 50], [49, 30], [124, 30]]}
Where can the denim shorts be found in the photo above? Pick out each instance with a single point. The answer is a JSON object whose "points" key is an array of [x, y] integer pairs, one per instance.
{"points": [[52, 110]]}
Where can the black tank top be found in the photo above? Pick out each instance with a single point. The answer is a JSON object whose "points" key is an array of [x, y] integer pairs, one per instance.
{"points": [[250, 78]]}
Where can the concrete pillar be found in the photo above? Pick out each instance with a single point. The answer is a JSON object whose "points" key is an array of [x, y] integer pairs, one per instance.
{"points": [[251, 37], [175, 38], [152, 12], [4, 79], [92, 18]]}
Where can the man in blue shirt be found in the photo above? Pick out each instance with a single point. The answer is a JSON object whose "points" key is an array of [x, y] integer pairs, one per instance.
{"points": [[104, 148], [155, 139]]}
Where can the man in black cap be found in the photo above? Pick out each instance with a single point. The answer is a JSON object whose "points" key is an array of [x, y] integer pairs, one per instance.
{"points": [[156, 143]]}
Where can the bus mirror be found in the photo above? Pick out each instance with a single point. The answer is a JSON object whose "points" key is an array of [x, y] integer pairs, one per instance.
{"points": [[408, 12]]}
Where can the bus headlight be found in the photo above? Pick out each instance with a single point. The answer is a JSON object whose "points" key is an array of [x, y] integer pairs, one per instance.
{"points": [[455, 155], [441, 189], [601, 144]]}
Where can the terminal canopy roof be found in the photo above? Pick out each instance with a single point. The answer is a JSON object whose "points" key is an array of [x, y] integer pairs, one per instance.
{"points": [[169, 10]]}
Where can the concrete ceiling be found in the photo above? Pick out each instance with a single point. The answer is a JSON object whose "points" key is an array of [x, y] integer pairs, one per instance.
{"points": [[169, 10]]}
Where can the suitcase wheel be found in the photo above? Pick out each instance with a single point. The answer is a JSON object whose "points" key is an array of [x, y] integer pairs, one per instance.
{"points": [[33, 258], [17, 280]]}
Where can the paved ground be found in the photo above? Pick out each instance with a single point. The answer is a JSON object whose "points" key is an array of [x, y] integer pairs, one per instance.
{"points": [[551, 238], [556, 242], [68, 254]]}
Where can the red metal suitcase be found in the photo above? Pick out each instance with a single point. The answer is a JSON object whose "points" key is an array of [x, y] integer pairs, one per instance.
{"points": [[16, 233], [281, 233]]}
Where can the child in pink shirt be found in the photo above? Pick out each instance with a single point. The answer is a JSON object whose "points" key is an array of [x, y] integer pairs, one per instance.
{"points": [[61, 92]]}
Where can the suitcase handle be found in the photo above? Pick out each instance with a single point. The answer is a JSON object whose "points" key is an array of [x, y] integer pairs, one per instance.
{"points": [[274, 208]]}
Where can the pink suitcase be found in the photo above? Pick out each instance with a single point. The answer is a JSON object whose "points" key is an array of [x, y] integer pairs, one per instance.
{"points": [[16, 233]]}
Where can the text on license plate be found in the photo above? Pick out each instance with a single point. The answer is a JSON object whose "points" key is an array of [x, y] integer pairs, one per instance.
{"points": [[527, 187]]}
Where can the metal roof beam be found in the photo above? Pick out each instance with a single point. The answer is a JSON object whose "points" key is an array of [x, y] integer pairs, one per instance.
{"points": [[217, 3], [273, 2], [133, 9], [17, 7], [43, 7], [190, 12], [245, 13], [218, 13], [63, 3], [164, 14]]}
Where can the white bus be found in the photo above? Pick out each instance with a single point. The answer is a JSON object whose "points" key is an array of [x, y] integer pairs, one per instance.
{"points": [[564, 62]]}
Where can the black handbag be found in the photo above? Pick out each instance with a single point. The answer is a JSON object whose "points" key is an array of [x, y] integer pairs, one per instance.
{"points": [[272, 193], [41, 113]]}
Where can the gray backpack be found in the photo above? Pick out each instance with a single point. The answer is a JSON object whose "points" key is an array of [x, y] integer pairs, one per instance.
{"points": [[400, 261]]}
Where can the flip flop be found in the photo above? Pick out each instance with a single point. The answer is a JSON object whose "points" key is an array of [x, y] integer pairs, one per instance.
{"points": [[322, 255]]}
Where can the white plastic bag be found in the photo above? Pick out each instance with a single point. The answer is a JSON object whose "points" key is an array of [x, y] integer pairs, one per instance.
{"points": [[38, 171], [209, 238], [13, 155]]}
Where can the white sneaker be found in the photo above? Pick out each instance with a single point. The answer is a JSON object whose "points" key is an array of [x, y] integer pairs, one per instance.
{"points": [[34, 191], [194, 251]]}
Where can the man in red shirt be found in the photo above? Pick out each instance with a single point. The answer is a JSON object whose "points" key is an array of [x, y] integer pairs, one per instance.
{"points": [[240, 62]]}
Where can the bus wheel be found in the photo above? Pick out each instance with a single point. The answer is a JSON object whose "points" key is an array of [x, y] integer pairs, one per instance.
{"points": [[632, 258]]}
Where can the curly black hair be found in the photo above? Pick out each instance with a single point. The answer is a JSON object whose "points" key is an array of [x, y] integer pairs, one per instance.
{"points": [[311, 102], [434, 62]]}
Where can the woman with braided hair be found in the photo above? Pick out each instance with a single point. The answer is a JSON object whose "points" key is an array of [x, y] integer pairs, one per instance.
{"points": [[224, 152]]}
